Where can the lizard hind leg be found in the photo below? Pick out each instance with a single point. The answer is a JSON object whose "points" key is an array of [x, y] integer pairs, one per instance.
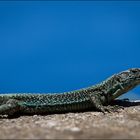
{"points": [[10, 107]]}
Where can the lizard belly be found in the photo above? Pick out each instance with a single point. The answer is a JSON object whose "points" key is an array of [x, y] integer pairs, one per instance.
{"points": [[56, 108]]}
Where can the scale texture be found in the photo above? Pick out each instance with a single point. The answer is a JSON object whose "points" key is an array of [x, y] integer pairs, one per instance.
{"points": [[96, 97]]}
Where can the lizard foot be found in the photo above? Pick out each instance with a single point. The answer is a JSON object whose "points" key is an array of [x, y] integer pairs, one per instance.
{"points": [[109, 108], [114, 108]]}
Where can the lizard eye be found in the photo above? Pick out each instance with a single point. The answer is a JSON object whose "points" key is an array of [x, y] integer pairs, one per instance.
{"points": [[134, 70]]}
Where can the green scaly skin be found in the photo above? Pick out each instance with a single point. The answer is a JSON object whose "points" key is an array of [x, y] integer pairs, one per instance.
{"points": [[96, 97]]}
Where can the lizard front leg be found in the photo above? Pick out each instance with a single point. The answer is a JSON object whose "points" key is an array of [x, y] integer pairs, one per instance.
{"points": [[98, 105], [11, 106]]}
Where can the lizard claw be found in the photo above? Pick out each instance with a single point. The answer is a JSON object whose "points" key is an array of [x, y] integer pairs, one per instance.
{"points": [[114, 108], [110, 109]]}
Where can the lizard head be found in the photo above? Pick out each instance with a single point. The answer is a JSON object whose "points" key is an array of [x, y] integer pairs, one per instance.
{"points": [[130, 78], [127, 80]]}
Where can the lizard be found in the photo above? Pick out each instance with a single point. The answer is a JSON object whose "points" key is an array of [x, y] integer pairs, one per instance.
{"points": [[96, 97]]}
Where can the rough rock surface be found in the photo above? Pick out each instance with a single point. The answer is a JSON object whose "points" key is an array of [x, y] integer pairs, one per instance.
{"points": [[123, 124]]}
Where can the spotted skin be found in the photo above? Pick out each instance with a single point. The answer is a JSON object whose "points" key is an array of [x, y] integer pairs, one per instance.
{"points": [[96, 97]]}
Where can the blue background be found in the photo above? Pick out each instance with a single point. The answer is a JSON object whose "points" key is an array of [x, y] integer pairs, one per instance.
{"points": [[61, 46]]}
